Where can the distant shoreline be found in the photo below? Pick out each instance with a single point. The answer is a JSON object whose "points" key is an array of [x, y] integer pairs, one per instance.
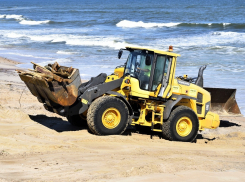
{"points": [[7, 61]]}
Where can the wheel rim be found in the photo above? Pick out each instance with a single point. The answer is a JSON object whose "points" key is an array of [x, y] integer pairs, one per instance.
{"points": [[111, 118], [184, 126]]}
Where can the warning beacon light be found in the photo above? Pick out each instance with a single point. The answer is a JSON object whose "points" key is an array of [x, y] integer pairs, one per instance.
{"points": [[170, 49]]}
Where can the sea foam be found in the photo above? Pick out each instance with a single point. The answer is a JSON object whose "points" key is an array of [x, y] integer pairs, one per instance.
{"points": [[16, 17], [208, 40], [73, 40], [31, 22], [64, 52], [133, 24], [23, 20], [59, 60], [217, 38], [113, 42], [225, 24], [14, 35]]}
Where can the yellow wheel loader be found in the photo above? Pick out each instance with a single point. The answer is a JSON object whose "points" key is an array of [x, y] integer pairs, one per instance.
{"points": [[143, 92]]}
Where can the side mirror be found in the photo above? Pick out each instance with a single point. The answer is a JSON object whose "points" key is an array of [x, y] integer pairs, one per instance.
{"points": [[148, 60], [120, 53]]}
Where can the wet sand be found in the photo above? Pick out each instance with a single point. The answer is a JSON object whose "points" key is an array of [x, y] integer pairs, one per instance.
{"points": [[36, 145]]}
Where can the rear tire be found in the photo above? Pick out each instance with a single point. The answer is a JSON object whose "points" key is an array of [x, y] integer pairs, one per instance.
{"points": [[182, 125], [77, 120], [108, 115]]}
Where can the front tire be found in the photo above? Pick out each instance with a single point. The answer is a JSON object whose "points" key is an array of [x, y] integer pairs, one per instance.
{"points": [[182, 125], [108, 115]]}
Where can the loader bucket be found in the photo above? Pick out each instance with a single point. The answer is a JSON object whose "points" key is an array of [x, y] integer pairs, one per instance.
{"points": [[53, 88], [223, 101]]}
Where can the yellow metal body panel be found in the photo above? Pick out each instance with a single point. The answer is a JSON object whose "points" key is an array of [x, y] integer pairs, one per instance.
{"points": [[192, 90], [155, 93], [211, 121], [135, 89], [119, 72]]}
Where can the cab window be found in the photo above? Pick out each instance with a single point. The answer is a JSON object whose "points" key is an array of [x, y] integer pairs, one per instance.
{"points": [[139, 65], [161, 70]]}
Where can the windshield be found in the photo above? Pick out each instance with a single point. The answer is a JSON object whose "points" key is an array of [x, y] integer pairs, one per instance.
{"points": [[139, 66]]}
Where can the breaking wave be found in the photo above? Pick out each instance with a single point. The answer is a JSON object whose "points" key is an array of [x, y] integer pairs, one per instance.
{"points": [[73, 40], [65, 52], [213, 40], [23, 20], [16, 17], [133, 24], [141, 24], [31, 22], [112, 42], [123, 24]]}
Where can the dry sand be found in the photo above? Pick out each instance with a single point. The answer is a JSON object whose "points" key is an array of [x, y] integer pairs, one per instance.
{"points": [[36, 145]]}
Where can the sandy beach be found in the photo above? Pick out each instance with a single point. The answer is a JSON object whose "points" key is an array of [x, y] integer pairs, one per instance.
{"points": [[36, 145]]}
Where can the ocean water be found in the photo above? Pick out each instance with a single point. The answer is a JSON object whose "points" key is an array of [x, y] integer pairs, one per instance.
{"points": [[88, 34]]}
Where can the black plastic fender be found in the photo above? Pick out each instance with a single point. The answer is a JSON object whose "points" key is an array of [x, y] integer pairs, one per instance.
{"points": [[171, 103], [83, 102]]}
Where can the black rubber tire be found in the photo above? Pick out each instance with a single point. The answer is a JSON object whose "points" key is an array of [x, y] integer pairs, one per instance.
{"points": [[96, 110], [77, 120], [169, 127]]}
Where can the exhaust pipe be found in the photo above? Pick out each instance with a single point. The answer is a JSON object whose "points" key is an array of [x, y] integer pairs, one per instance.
{"points": [[223, 101]]}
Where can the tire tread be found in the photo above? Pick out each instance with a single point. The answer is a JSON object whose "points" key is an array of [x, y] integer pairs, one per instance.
{"points": [[166, 127], [96, 104]]}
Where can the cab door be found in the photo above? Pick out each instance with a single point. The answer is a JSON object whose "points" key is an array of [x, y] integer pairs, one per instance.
{"points": [[162, 80]]}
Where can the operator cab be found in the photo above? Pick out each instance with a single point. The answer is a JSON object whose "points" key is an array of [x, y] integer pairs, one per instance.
{"points": [[148, 67]]}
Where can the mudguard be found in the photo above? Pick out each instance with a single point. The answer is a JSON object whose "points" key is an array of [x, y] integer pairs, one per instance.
{"points": [[92, 93], [171, 103]]}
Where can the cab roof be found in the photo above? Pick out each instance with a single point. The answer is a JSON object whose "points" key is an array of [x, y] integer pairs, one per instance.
{"points": [[155, 51]]}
